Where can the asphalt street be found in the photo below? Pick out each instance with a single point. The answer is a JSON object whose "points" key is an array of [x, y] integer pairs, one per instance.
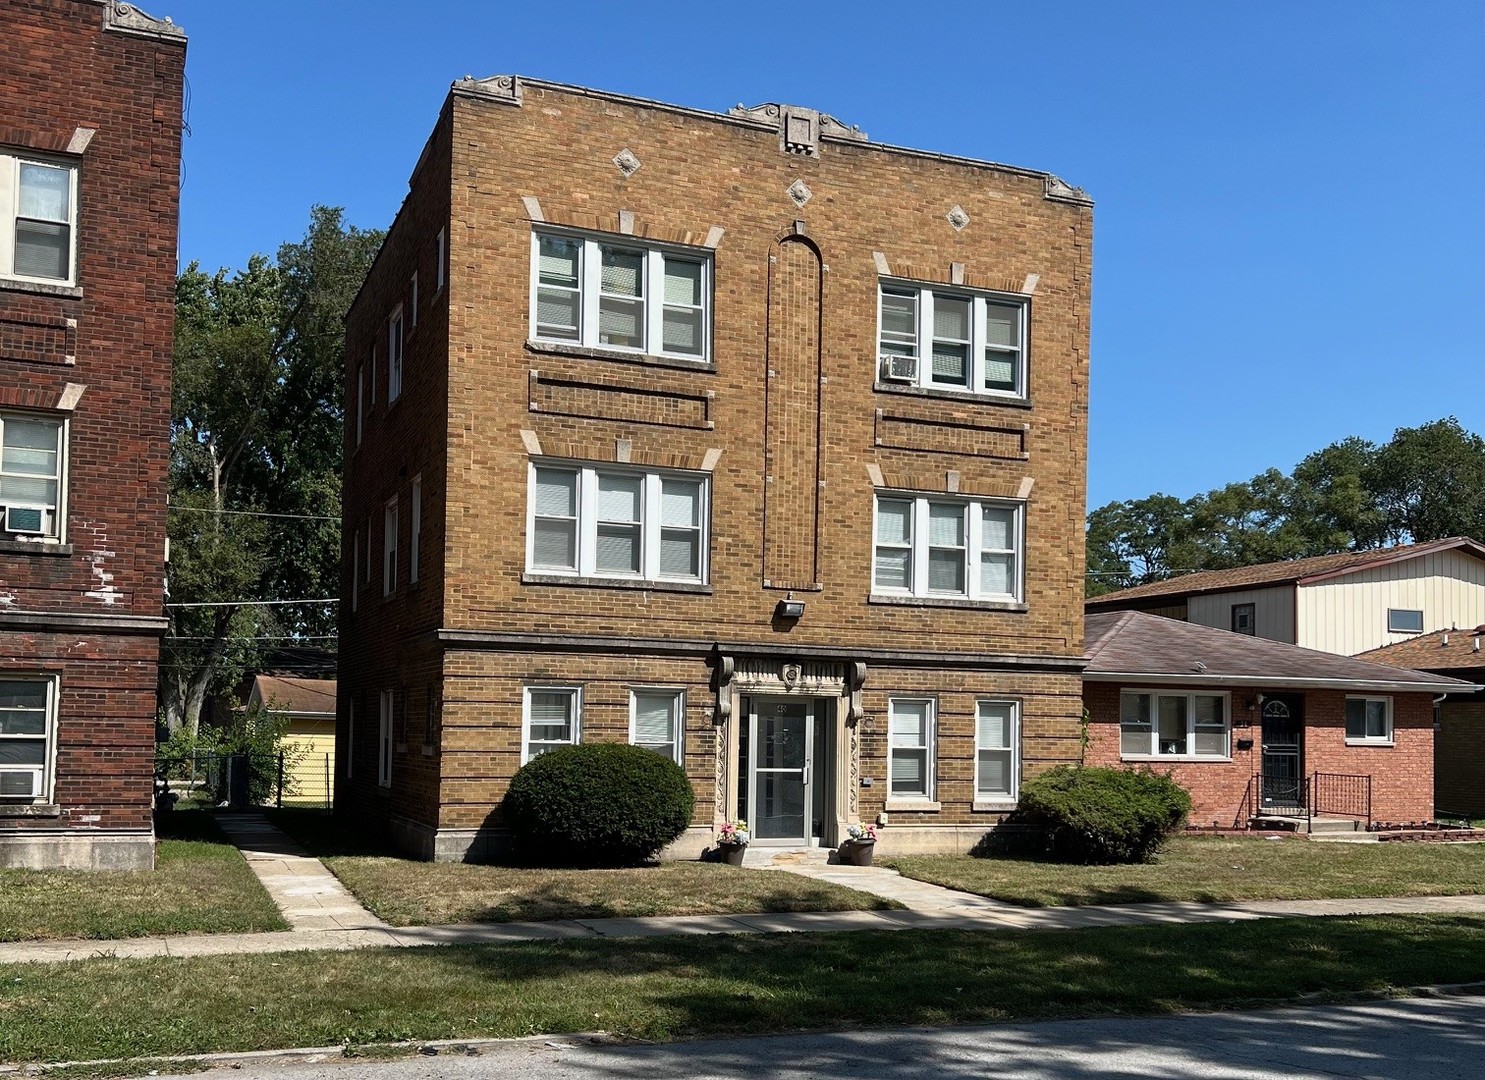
{"points": [[1418, 1039]]}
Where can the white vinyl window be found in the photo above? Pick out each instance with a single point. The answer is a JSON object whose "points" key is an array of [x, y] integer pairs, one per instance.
{"points": [[618, 294], [395, 342], [1161, 724], [32, 471], [415, 540], [948, 339], [656, 720], [1404, 621], [617, 523], [928, 546], [389, 548], [384, 738], [997, 751], [553, 717], [1369, 720], [910, 748], [38, 220], [28, 724]]}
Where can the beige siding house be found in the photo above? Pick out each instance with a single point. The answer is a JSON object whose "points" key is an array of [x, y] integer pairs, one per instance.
{"points": [[1349, 603]]}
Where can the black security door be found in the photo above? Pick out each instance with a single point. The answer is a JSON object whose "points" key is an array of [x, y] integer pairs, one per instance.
{"points": [[1283, 724]]}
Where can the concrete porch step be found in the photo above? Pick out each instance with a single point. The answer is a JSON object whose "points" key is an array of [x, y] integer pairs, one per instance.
{"points": [[1319, 825], [757, 856]]}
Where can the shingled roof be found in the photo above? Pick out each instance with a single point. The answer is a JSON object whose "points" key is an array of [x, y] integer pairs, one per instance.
{"points": [[1291, 572], [1129, 646], [295, 696], [1442, 650]]}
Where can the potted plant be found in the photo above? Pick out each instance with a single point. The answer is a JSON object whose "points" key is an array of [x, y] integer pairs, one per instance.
{"points": [[732, 841], [860, 842]]}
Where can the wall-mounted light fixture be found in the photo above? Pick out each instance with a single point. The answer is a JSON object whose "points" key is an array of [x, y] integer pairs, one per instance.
{"points": [[789, 609]]}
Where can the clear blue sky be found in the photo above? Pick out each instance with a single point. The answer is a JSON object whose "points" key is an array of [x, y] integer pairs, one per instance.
{"points": [[1290, 220]]}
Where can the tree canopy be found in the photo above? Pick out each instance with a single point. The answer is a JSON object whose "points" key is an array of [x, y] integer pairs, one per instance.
{"points": [[255, 458], [1426, 483]]}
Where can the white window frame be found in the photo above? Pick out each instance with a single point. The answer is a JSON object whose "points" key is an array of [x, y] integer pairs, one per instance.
{"points": [[575, 725], [48, 768], [1153, 752], [1014, 738], [651, 527], [386, 714], [57, 534], [1370, 740], [10, 192], [396, 349], [415, 529], [441, 278], [390, 526], [1392, 629], [677, 696], [978, 344], [974, 549], [590, 267], [929, 747]]}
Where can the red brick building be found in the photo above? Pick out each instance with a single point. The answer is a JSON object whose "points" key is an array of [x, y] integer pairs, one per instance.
{"points": [[1259, 729], [90, 129], [741, 437]]}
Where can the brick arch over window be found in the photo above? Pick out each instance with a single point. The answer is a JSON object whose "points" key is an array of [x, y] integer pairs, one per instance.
{"points": [[791, 443]]}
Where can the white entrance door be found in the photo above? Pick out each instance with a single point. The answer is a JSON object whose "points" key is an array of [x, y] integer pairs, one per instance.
{"points": [[781, 741]]}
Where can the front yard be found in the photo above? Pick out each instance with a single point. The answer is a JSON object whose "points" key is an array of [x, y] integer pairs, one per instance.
{"points": [[675, 987], [1215, 870], [405, 892], [200, 885]]}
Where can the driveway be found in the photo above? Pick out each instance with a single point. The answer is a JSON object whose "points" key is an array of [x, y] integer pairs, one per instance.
{"points": [[1419, 1039]]}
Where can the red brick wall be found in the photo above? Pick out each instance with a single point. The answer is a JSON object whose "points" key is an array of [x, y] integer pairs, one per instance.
{"points": [[112, 334]]}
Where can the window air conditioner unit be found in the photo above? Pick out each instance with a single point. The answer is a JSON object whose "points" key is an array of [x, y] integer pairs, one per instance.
{"points": [[898, 368], [23, 783], [27, 520]]}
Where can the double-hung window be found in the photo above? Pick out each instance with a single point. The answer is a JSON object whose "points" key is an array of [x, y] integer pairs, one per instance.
{"points": [[910, 748], [1153, 724], [38, 220], [553, 718], [395, 342], [385, 719], [1369, 720], [656, 721], [28, 720], [614, 293], [617, 523], [32, 462], [997, 751], [951, 548], [946, 339], [415, 543], [389, 548]]}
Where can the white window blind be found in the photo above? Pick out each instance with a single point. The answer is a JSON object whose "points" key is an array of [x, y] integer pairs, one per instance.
{"points": [[932, 547], [910, 738], [1161, 724], [551, 719], [997, 750], [27, 713], [657, 721], [31, 468], [38, 216], [977, 343]]}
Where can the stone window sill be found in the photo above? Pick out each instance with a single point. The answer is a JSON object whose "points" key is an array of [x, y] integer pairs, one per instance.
{"points": [[41, 288], [30, 810], [33, 547], [623, 356], [913, 806], [1185, 759], [1013, 606], [1010, 402], [1383, 744], [991, 806], [696, 588]]}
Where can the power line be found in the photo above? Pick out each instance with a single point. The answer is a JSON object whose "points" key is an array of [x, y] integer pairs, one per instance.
{"points": [[252, 603], [257, 513], [264, 637]]}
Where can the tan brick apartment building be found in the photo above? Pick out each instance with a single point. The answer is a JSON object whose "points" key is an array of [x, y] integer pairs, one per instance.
{"points": [[737, 436], [90, 129]]}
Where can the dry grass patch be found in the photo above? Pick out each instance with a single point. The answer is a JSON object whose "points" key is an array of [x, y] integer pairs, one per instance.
{"points": [[1217, 870], [200, 885]]}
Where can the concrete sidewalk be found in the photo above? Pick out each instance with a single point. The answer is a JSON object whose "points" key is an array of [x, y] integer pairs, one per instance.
{"points": [[308, 896]]}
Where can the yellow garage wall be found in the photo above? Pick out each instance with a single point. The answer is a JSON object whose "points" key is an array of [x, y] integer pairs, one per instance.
{"points": [[316, 738]]}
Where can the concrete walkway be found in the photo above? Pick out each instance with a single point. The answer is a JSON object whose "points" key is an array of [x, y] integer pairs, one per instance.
{"points": [[323, 915]]}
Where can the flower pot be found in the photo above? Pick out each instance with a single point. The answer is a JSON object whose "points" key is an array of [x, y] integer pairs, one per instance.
{"points": [[856, 852], [732, 854]]}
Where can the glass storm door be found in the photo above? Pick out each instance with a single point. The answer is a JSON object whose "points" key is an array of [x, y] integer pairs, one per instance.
{"points": [[781, 741]]}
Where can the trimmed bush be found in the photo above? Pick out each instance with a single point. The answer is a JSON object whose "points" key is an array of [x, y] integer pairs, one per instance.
{"points": [[1105, 815], [600, 804]]}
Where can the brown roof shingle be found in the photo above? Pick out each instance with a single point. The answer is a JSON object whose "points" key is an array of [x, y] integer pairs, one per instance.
{"points": [[1279, 573], [295, 695], [1442, 650]]}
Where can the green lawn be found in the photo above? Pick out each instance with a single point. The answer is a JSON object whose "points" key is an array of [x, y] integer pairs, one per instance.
{"points": [[1217, 869], [406, 892], [667, 988], [200, 884]]}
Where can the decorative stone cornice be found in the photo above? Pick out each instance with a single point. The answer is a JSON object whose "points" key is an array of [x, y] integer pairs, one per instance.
{"points": [[800, 129], [128, 19], [1059, 190], [505, 89]]}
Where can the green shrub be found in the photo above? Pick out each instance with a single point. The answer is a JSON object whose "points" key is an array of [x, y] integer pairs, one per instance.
{"points": [[1105, 815], [602, 804]]}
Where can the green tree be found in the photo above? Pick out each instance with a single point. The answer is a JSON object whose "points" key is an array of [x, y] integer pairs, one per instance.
{"points": [[1429, 482], [255, 455]]}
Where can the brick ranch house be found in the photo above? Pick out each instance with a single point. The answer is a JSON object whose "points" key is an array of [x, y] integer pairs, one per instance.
{"points": [[741, 437], [1459, 728], [90, 130], [1260, 730]]}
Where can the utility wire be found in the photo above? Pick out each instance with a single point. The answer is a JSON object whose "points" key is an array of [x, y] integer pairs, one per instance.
{"points": [[253, 603], [257, 513]]}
